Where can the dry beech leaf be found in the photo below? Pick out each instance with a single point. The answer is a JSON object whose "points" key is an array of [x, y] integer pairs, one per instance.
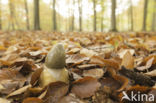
{"points": [[148, 58], [35, 76], [2, 100], [10, 79], [85, 41], [151, 73], [76, 59], [35, 53], [96, 73], [71, 98], [147, 66], [88, 53], [110, 82], [2, 48], [87, 66], [104, 95], [85, 87], [55, 91], [73, 51], [19, 91], [128, 61], [104, 62], [27, 66], [122, 52], [34, 90], [32, 100], [123, 81]]}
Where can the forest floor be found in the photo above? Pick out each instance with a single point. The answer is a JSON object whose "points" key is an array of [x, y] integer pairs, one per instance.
{"points": [[103, 67]]}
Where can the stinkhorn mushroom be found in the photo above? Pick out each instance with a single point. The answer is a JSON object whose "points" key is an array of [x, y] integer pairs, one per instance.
{"points": [[54, 67]]}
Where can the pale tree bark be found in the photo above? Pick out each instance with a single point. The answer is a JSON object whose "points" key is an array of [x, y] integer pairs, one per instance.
{"points": [[131, 14], [113, 16], [145, 15], [69, 18], [80, 14], [0, 15], [36, 15], [73, 18], [27, 14], [102, 5], [13, 20], [94, 7], [54, 16], [12, 15], [154, 17]]}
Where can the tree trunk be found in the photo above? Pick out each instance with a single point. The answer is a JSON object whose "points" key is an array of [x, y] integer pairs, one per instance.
{"points": [[102, 15], [27, 14], [54, 16], [131, 14], [36, 15], [94, 7], [154, 16], [12, 15], [113, 16], [145, 15], [73, 17], [0, 15], [80, 14]]}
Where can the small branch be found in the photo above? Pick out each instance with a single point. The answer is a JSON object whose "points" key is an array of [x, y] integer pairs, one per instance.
{"points": [[139, 78]]}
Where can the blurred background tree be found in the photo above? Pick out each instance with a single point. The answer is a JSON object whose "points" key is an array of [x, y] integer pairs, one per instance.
{"points": [[78, 15]]}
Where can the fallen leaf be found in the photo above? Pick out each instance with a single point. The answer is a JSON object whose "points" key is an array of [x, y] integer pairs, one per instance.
{"points": [[88, 53], [19, 91], [73, 51], [76, 59], [123, 81], [151, 73], [55, 91], [148, 58], [122, 52], [71, 98], [147, 66], [104, 62], [10, 80], [36, 76], [2, 100], [85, 87], [96, 73], [110, 82], [128, 61], [87, 66], [32, 100], [2, 48]]}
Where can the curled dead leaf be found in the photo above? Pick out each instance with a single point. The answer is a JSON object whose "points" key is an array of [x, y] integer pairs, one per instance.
{"points": [[128, 61], [123, 81], [36, 76], [147, 66]]}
